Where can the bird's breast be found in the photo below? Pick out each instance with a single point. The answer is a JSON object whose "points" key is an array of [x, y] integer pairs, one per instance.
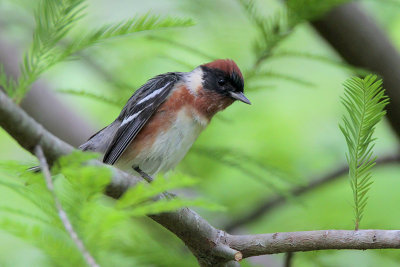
{"points": [[171, 145], [165, 139]]}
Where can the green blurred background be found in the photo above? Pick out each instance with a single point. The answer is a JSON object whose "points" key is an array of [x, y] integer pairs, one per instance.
{"points": [[291, 128]]}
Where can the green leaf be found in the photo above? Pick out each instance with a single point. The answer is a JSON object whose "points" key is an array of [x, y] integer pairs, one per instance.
{"points": [[166, 205], [364, 101], [54, 20], [144, 191], [90, 181], [137, 24]]}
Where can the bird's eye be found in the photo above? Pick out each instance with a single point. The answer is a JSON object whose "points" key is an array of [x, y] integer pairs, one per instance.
{"points": [[221, 82]]}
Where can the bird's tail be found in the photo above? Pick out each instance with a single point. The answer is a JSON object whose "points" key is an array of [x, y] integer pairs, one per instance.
{"points": [[97, 142]]}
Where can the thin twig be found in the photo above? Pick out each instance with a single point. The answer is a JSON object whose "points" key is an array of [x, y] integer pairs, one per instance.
{"points": [[288, 259], [61, 213]]}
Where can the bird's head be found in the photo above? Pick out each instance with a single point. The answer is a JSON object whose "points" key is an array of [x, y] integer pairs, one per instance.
{"points": [[224, 77]]}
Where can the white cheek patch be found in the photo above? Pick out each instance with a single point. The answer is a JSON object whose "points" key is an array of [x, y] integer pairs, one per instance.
{"points": [[153, 94], [194, 80], [130, 118]]}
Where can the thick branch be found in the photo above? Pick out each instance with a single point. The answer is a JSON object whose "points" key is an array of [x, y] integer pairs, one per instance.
{"points": [[211, 246], [28, 133], [252, 245]]}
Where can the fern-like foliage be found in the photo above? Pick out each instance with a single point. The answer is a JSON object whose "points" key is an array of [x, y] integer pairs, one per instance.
{"points": [[364, 100], [106, 227], [139, 200], [272, 30], [119, 103], [137, 24], [271, 177], [54, 20]]}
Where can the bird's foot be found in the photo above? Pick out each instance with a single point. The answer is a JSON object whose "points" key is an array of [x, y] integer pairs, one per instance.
{"points": [[149, 179], [144, 175]]}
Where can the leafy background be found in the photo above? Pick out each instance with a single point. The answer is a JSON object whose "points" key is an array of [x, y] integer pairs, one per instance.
{"points": [[288, 136]]}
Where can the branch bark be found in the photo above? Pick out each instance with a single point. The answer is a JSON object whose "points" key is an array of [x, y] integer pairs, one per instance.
{"points": [[212, 247], [252, 245]]}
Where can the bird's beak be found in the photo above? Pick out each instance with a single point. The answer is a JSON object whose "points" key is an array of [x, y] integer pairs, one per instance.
{"points": [[240, 96]]}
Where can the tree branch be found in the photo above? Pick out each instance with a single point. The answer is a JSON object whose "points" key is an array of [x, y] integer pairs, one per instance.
{"points": [[212, 247], [28, 133], [253, 245]]}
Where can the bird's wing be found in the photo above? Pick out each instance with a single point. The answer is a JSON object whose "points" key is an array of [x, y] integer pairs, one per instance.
{"points": [[139, 108]]}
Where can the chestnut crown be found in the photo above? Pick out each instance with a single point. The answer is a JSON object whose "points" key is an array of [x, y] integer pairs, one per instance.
{"points": [[224, 77]]}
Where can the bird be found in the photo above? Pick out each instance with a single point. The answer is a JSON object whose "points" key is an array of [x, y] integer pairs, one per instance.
{"points": [[163, 118]]}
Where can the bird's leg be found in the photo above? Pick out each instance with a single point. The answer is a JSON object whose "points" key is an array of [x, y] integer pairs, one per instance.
{"points": [[144, 175], [149, 179]]}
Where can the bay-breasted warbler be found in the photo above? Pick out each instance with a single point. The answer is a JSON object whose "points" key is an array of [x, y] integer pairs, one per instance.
{"points": [[164, 117]]}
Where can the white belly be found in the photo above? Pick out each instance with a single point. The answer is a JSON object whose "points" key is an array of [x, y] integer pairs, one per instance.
{"points": [[171, 146]]}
